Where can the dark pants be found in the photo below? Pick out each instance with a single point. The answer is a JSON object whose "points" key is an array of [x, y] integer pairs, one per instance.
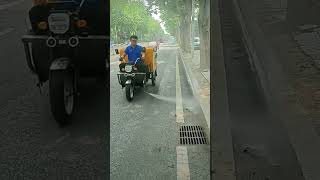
{"points": [[141, 67]]}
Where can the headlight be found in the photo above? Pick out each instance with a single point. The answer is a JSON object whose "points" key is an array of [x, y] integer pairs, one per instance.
{"points": [[135, 68], [59, 23], [128, 68]]}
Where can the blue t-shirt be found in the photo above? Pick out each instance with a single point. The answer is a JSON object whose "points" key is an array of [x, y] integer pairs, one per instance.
{"points": [[133, 53]]}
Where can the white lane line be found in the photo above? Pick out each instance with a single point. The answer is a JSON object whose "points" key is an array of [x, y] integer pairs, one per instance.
{"points": [[183, 172], [6, 31], [8, 5], [179, 106]]}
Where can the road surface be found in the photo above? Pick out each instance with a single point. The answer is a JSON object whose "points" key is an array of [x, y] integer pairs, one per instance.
{"points": [[32, 145], [145, 132]]}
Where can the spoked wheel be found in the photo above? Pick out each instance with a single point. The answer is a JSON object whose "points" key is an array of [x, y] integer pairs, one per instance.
{"points": [[62, 96], [129, 92]]}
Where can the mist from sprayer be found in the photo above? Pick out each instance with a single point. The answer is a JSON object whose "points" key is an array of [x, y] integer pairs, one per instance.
{"points": [[188, 103]]}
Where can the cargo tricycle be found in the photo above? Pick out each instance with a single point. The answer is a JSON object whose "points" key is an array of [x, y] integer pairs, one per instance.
{"points": [[69, 43], [129, 77]]}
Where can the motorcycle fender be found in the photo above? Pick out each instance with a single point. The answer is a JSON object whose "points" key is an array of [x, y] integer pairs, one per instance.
{"points": [[60, 64], [128, 82]]}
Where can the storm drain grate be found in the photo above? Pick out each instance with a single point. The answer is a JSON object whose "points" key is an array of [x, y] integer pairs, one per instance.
{"points": [[192, 135]]}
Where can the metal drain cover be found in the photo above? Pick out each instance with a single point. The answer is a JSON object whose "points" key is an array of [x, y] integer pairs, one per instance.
{"points": [[192, 135]]}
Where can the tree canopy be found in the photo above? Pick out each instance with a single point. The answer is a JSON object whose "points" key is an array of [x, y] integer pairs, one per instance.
{"points": [[176, 16], [168, 13], [132, 17], [171, 11]]}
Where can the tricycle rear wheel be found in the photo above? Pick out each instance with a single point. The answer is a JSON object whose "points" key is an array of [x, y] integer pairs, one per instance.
{"points": [[153, 79], [62, 96], [147, 77]]}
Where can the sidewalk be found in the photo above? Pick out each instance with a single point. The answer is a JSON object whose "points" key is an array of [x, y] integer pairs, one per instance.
{"points": [[199, 81]]}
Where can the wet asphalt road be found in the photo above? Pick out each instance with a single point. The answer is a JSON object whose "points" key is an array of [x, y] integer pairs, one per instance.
{"points": [[32, 145], [144, 132]]}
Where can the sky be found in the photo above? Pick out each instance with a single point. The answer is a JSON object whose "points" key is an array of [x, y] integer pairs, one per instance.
{"points": [[157, 17]]}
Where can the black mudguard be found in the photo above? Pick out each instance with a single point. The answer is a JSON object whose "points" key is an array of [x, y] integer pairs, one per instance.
{"points": [[129, 82]]}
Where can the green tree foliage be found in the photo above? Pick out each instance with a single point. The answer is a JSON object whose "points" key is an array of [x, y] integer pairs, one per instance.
{"points": [[132, 17], [168, 10], [176, 15]]}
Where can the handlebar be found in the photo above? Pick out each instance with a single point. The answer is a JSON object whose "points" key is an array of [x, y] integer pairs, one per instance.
{"points": [[121, 59], [80, 6], [136, 61]]}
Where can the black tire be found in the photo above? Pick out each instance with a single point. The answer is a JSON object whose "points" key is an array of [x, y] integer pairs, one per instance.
{"points": [[142, 84], [147, 77], [129, 92], [153, 80], [58, 81]]}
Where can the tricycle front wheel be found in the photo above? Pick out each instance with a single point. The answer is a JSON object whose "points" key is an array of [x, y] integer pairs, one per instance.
{"points": [[62, 96], [129, 92]]}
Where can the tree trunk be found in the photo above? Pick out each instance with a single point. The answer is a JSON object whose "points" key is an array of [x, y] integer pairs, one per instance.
{"points": [[178, 35], [185, 26], [204, 29]]}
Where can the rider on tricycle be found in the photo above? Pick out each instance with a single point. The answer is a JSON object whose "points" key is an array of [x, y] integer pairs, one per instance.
{"points": [[136, 55], [137, 66]]}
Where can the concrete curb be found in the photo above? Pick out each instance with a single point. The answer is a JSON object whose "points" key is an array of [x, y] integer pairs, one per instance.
{"points": [[205, 106], [221, 143]]}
